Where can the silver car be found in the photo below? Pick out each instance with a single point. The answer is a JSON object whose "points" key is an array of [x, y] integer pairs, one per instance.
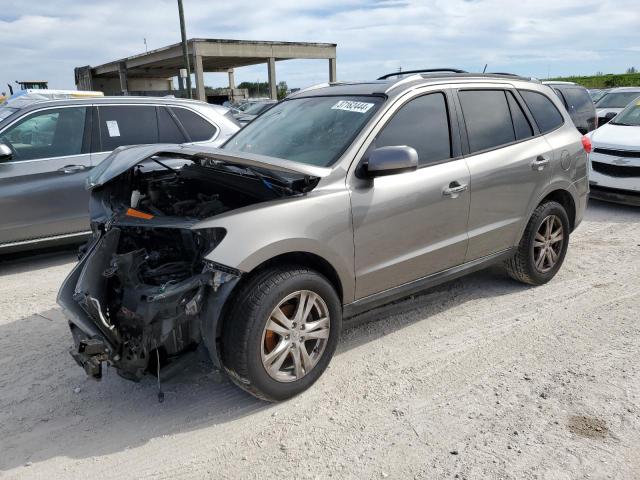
{"points": [[339, 199], [48, 148], [614, 101]]}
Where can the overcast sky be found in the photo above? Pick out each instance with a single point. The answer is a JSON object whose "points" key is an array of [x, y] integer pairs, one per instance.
{"points": [[46, 40]]}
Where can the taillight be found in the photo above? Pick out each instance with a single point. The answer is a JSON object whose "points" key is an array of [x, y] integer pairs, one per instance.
{"points": [[586, 144]]}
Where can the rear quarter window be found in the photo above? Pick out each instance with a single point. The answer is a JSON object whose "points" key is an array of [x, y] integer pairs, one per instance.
{"points": [[198, 129], [544, 112]]}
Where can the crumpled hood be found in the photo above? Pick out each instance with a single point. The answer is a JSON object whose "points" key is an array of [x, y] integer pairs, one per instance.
{"points": [[124, 158], [618, 137]]}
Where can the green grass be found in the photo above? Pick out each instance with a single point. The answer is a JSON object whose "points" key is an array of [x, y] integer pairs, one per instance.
{"points": [[605, 81]]}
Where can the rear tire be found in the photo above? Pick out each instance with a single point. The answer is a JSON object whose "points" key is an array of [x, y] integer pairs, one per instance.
{"points": [[262, 349], [543, 246]]}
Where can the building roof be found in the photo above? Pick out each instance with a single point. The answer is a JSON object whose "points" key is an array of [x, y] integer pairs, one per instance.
{"points": [[217, 55]]}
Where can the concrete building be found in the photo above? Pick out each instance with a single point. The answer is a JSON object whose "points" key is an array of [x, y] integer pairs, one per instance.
{"points": [[152, 71]]}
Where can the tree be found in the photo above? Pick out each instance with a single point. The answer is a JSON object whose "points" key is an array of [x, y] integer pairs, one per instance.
{"points": [[256, 89], [282, 90], [632, 70]]}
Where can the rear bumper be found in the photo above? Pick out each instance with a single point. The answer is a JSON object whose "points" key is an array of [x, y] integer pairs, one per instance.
{"points": [[615, 195]]}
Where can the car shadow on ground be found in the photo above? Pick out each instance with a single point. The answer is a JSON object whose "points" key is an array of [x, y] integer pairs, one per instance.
{"points": [[600, 211], [49, 408]]}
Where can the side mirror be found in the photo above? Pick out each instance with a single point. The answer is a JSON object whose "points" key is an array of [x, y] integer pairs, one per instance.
{"points": [[391, 160], [5, 153]]}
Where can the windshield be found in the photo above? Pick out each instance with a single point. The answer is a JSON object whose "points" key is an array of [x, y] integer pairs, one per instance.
{"points": [[314, 130], [257, 108], [630, 116], [617, 99], [6, 111]]}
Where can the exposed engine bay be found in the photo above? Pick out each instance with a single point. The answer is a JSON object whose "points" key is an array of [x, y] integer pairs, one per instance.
{"points": [[143, 293], [194, 191]]}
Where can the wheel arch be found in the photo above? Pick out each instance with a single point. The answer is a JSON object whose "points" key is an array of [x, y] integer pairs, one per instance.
{"points": [[295, 258], [564, 198], [565, 194], [305, 259]]}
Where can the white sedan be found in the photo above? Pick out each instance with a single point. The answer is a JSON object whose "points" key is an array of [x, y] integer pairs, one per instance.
{"points": [[615, 159]]}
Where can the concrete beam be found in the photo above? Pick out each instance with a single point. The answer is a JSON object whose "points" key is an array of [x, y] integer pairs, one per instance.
{"points": [[264, 50], [273, 85], [199, 71], [332, 70]]}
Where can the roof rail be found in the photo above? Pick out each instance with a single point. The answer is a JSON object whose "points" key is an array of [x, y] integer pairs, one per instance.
{"points": [[408, 79], [424, 70], [503, 73]]}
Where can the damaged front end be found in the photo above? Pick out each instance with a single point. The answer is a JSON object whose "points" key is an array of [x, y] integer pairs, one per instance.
{"points": [[143, 292], [137, 298]]}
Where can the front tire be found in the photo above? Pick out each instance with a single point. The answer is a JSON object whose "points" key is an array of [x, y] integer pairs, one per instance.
{"points": [[281, 332], [543, 246]]}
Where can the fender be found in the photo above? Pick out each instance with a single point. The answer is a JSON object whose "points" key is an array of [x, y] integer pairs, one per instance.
{"points": [[259, 234], [558, 184]]}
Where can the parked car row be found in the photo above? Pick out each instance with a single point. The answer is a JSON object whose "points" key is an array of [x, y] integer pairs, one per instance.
{"points": [[248, 110]]}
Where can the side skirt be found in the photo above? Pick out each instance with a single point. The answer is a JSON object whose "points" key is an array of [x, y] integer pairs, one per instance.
{"points": [[407, 289]]}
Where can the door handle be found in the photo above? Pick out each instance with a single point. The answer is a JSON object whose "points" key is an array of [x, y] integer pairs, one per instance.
{"points": [[72, 169], [539, 163], [454, 189]]}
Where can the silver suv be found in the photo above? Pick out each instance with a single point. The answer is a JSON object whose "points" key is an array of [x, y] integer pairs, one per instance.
{"points": [[337, 200], [48, 148]]}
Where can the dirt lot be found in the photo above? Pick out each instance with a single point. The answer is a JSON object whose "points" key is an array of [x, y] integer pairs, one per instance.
{"points": [[480, 378]]}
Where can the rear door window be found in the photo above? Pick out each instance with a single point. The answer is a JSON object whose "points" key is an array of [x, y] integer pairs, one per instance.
{"points": [[543, 110], [421, 123], [55, 132], [127, 125], [487, 118], [197, 128], [168, 130]]}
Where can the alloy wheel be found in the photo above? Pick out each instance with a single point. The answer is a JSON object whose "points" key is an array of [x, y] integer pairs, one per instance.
{"points": [[295, 336], [547, 244]]}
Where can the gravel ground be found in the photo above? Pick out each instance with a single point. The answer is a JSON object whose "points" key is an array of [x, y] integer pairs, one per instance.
{"points": [[479, 378]]}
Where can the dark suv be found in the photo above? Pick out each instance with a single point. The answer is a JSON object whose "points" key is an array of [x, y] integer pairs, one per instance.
{"points": [[577, 101]]}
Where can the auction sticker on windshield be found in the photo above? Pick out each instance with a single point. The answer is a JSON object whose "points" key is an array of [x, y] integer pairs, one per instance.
{"points": [[351, 106]]}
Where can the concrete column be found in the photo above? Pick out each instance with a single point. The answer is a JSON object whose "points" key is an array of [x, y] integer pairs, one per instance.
{"points": [[181, 84], [200, 95], [332, 70], [122, 73], [273, 85], [232, 79]]}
